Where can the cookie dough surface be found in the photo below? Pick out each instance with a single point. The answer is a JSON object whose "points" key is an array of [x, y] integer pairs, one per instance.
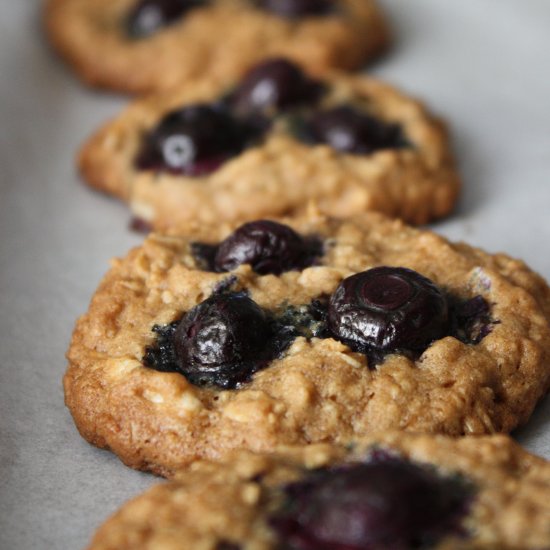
{"points": [[222, 39], [318, 390], [230, 502], [281, 175]]}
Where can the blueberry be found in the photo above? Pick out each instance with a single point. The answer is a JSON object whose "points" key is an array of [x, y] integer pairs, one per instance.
{"points": [[225, 339], [220, 341], [149, 16], [371, 506], [388, 309], [297, 8], [194, 141], [275, 84], [349, 130], [471, 320], [269, 247], [139, 225]]}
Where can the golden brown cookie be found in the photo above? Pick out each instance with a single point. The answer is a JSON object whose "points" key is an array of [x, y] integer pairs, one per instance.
{"points": [[353, 144], [114, 44], [178, 359], [391, 490]]}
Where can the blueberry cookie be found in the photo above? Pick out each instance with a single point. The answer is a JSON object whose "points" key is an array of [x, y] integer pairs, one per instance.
{"points": [[301, 331], [389, 491], [276, 141], [140, 46]]}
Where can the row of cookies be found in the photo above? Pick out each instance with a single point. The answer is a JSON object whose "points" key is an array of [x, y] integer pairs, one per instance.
{"points": [[217, 336]]}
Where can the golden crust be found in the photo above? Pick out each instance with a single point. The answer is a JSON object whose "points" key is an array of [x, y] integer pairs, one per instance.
{"points": [[281, 176], [213, 502], [221, 40], [319, 390]]}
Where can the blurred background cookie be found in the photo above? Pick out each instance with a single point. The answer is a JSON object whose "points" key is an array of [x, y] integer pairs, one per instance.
{"points": [[138, 46], [391, 490]]}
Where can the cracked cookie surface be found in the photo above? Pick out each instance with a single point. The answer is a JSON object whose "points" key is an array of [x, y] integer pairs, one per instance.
{"points": [[317, 388], [233, 504], [221, 37], [281, 173]]}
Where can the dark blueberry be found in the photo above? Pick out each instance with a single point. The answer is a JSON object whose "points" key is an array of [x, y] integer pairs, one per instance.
{"points": [[307, 320], [381, 505], [225, 339], [349, 130], [195, 140], [139, 225], [161, 356], [149, 16], [269, 247], [220, 340], [297, 8], [471, 320], [388, 309], [275, 84], [204, 255]]}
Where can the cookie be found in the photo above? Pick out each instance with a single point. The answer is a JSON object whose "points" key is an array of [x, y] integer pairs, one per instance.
{"points": [[273, 143], [142, 46], [391, 490], [307, 330]]}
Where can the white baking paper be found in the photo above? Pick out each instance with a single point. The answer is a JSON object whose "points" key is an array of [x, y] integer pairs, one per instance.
{"points": [[484, 65]]}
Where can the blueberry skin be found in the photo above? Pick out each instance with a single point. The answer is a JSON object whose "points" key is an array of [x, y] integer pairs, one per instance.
{"points": [[294, 9], [372, 506], [149, 16], [222, 340], [194, 141], [269, 247], [349, 130], [388, 309], [274, 84]]}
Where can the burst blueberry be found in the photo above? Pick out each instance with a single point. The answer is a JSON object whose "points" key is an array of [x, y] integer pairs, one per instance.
{"points": [[225, 339], [388, 309]]}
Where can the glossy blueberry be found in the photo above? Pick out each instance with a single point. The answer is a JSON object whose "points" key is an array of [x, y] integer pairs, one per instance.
{"points": [[388, 309], [352, 131], [149, 16], [225, 339], [221, 340], [194, 141], [269, 247], [382, 505], [297, 8], [275, 84]]}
